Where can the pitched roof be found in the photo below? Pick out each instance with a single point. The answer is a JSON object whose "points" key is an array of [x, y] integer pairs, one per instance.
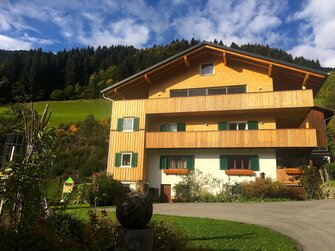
{"points": [[225, 48]]}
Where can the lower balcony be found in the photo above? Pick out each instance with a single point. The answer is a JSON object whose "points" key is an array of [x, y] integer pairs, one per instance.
{"points": [[232, 139]]}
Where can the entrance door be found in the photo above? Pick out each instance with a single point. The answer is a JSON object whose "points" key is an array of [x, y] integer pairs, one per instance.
{"points": [[166, 192]]}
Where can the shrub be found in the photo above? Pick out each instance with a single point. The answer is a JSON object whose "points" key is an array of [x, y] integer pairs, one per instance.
{"points": [[331, 170], [197, 186], [108, 191], [311, 181], [328, 189], [167, 237], [266, 188]]}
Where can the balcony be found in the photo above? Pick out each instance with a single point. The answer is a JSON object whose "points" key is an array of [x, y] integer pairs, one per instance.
{"points": [[232, 102], [232, 139]]}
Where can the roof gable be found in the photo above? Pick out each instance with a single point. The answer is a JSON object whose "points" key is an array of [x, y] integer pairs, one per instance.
{"points": [[274, 67]]}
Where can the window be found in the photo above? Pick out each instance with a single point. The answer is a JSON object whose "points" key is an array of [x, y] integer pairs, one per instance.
{"points": [[126, 159], [217, 91], [197, 92], [173, 127], [178, 93], [209, 91], [239, 162], [243, 125], [206, 69], [128, 124], [177, 162], [236, 89]]}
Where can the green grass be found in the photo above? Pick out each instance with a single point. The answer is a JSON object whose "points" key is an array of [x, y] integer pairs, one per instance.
{"points": [[65, 112], [210, 234]]}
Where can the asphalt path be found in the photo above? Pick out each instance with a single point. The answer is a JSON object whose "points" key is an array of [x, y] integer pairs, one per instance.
{"points": [[310, 223]]}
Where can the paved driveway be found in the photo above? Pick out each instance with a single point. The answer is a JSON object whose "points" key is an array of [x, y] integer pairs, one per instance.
{"points": [[311, 223]]}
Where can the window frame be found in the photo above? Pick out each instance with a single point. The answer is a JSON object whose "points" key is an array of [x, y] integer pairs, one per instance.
{"points": [[130, 159], [234, 158], [172, 124], [237, 123], [200, 69], [132, 124]]}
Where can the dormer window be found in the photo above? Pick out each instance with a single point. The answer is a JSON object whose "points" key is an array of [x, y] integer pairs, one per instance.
{"points": [[206, 69]]}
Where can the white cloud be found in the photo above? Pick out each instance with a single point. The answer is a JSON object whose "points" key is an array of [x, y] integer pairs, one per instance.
{"points": [[317, 31], [325, 56], [124, 32], [251, 21], [8, 43]]}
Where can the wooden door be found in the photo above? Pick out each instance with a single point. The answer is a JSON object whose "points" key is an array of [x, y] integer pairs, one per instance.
{"points": [[166, 192]]}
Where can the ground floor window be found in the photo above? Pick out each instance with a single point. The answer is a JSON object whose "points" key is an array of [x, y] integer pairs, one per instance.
{"points": [[239, 162], [177, 162]]}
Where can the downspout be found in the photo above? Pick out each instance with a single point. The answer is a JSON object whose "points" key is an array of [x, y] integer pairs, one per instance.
{"points": [[103, 95]]}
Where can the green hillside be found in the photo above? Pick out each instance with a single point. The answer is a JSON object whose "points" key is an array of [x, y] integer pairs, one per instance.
{"points": [[65, 112]]}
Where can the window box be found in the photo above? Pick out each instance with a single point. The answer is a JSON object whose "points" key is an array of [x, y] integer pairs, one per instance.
{"points": [[180, 171], [294, 171], [240, 172]]}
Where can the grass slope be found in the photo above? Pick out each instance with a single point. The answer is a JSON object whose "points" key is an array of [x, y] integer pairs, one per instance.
{"points": [[210, 234], [65, 112]]}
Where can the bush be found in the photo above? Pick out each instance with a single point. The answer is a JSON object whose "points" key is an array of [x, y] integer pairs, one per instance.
{"points": [[197, 186], [311, 181], [331, 170], [266, 188], [167, 237], [106, 190], [328, 189]]}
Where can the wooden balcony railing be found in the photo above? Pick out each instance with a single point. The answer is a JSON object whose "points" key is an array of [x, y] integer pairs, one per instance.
{"points": [[300, 137], [232, 102]]}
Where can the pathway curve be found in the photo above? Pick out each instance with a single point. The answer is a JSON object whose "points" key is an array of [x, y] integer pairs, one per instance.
{"points": [[311, 223]]}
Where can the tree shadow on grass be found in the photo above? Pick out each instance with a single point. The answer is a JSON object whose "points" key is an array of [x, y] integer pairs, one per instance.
{"points": [[223, 237], [232, 236]]}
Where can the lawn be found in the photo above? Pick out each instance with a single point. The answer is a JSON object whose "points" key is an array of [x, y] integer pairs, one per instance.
{"points": [[65, 112], [210, 234]]}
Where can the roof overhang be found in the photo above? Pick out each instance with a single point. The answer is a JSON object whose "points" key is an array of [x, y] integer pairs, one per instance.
{"points": [[304, 76]]}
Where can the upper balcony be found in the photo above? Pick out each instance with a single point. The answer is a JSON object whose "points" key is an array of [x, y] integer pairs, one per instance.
{"points": [[231, 102], [232, 139]]}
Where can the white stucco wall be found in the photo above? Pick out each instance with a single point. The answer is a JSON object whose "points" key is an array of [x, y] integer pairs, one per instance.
{"points": [[208, 162]]}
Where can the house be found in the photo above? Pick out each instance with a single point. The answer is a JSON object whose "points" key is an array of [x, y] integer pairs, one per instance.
{"points": [[69, 185], [223, 111]]}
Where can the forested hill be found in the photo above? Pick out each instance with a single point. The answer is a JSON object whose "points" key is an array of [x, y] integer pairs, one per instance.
{"points": [[81, 73]]}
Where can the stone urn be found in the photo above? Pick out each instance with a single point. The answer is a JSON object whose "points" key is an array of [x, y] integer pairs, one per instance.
{"points": [[134, 210]]}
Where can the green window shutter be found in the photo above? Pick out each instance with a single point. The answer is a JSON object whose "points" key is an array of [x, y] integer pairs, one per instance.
{"points": [[136, 124], [223, 162], [190, 162], [252, 125], [117, 159], [164, 127], [163, 162], [133, 159], [181, 127], [223, 126], [120, 124], [254, 163]]}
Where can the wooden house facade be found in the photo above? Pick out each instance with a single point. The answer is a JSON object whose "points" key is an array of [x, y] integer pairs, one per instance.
{"points": [[225, 112]]}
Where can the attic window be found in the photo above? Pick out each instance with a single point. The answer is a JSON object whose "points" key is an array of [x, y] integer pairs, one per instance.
{"points": [[206, 69]]}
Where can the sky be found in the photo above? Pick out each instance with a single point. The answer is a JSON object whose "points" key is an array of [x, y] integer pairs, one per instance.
{"points": [[301, 27]]}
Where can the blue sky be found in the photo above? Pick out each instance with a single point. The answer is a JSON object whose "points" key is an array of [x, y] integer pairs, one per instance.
{"points": [[302, 27]]}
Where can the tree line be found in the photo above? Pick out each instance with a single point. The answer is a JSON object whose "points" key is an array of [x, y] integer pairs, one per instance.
{"points": [[36, 75]]}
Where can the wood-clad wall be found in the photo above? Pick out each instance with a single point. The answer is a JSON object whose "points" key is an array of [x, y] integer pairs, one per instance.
{"points": [[233, 139], [315, 119], [224, 75], [128, 141], [231, 102]]}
